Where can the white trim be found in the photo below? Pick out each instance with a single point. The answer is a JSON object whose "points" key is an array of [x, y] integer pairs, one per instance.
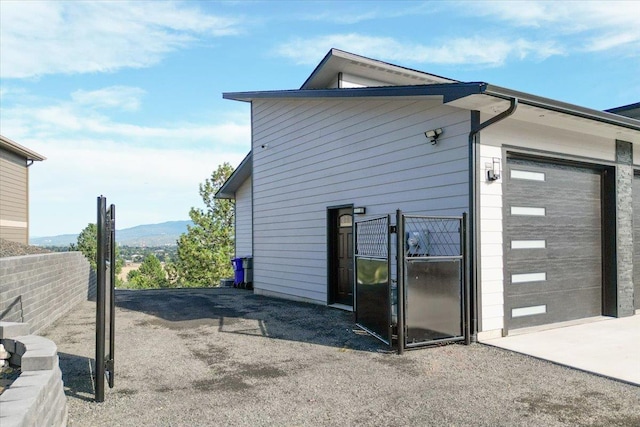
{"points": [[528, 277], [528, 211], [527, 175], [528, 311], [528, 244], [16, 224]]}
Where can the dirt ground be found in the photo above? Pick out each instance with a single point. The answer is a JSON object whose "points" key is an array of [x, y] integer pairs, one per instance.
{"points": [[226, 357], [127, 268]]}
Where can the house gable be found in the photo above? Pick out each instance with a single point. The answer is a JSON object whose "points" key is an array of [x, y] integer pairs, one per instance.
{"points": [[341, 69]]}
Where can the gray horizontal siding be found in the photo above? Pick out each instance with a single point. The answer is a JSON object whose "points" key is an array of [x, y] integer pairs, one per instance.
{"points": [[323, 153], [243, 219]]}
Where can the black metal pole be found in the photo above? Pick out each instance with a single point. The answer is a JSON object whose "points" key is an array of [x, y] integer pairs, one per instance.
{"points": [[466, 253], [100, 300], [400, 278], [112, 290]]}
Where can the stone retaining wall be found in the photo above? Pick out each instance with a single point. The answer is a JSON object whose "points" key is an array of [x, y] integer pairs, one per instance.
{"points": [[38, 289], [36, 397]]}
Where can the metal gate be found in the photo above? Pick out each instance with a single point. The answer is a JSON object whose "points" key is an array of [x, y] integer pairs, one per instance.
{"points": [[431, 281], [430, 303], [373, 282], [105, 307]]}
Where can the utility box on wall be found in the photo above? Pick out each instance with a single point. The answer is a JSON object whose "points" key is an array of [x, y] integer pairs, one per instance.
{"points": [[247, 265]]}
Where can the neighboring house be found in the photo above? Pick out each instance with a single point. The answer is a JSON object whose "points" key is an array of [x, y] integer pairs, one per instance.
{"points": [[14, 190], [548, 187], [631, 110]]}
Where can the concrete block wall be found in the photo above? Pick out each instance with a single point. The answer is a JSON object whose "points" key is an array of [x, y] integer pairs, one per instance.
{"points": [[38, 289], [36, 397]]}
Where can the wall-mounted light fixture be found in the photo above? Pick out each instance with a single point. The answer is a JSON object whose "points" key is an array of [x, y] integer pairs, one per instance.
{"points": [[433, 135], [360, 211], [493, 169]]}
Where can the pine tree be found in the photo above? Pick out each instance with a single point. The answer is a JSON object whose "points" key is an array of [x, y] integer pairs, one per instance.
{"points": [[205, 251]]}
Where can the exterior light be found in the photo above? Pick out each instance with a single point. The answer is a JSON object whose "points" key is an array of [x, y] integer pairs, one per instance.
{"points": [[360, 211], [433, 135], [493, 169]]}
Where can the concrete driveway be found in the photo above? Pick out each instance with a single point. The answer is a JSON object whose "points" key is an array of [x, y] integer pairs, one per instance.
{"points": [[226, 357], [604, 346]]}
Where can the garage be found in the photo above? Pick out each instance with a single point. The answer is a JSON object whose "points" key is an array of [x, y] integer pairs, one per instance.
{"points": [[552, 242], [636, 240]]}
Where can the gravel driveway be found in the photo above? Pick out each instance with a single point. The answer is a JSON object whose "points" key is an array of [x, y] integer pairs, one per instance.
{"points": [[226, 357]]}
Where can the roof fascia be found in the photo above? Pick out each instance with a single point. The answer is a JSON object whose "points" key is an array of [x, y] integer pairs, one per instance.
{"points": [[563, 107], [319, 67], [235, 180], [449, 92], [20, 150]]}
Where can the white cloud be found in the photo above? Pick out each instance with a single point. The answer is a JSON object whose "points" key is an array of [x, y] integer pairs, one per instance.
{"points": [[151, 173], [45, 37], [455, 51], [119, 97], [592, 25]]}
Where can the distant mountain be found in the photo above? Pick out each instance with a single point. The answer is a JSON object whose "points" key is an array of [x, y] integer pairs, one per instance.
{"points": [[162, 234]]}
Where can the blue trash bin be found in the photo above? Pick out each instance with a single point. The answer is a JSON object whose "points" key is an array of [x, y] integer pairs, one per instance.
{"points": [[238, 271]]}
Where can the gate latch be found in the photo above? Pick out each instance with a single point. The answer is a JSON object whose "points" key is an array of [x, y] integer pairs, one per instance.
{"points": [[393, 229]]}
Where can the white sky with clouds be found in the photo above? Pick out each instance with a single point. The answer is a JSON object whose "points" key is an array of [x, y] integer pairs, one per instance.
{"points": [[125, 98]]}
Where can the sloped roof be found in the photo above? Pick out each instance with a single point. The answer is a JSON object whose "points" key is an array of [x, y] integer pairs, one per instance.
{"points": [[18, 149], [631, 110], [237, 178], [338, 61], [479, 96]]}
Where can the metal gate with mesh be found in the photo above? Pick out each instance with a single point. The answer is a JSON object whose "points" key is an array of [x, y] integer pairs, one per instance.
{"points": [[429, 305], [373, 284]]}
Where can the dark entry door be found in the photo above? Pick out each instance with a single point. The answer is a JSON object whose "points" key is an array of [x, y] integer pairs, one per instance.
{"points": [[341, 256]]}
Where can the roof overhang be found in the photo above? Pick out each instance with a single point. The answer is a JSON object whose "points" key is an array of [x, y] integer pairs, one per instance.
{"points": [[21, 151], [483, 97], [549, 112], [631, 110], [339, 61], [446, 91], [237, 178]]}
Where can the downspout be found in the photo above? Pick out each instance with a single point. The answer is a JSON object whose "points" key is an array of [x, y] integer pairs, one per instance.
{"points": [[471, 282]]}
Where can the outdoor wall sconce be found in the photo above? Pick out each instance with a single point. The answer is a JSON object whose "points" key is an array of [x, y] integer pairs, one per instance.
{"points": [[359, 211], [493, 169], [433, 135]]}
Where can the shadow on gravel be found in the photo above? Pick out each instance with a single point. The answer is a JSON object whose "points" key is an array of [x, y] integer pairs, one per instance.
{"points": [[239, 311], [77, 375]]}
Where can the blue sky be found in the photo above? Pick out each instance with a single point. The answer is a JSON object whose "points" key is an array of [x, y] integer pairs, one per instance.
{"points": [[125, 99]]}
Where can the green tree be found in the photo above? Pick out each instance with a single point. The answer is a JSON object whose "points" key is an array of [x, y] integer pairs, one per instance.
{"points": [[88, 244], [150, 274], [205, 250]]}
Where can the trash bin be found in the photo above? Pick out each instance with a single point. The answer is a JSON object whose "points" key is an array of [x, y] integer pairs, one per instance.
{"points": [[247, 265], [238, 271]]}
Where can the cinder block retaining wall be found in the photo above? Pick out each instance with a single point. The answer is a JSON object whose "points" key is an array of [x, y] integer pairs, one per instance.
{"points": [[38, 289], [36, 398]]}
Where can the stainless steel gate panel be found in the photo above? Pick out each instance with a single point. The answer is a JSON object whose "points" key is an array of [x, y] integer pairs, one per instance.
{"points": [[433, 279], [434, 296]]}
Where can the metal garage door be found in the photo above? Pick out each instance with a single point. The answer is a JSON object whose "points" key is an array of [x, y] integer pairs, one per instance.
{"points": [[553, 243], [636, 240]]}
